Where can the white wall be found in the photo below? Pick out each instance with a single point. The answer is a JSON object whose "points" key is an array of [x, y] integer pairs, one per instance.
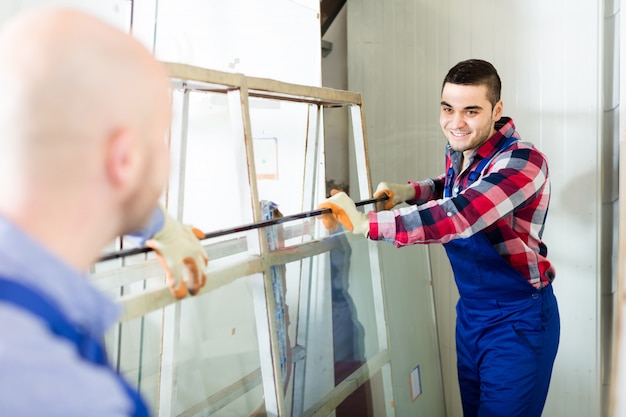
{"points": [[549, 56], [335, 75], [276, 39]]}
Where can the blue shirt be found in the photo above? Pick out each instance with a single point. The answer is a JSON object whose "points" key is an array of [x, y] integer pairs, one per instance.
{"points": [[40, 373]]}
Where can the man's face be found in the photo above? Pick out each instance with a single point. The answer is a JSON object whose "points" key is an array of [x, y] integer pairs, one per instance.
{"points": [[467, 117]]}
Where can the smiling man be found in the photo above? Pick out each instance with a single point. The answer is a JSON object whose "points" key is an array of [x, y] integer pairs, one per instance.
{"points": [[488, 210]]}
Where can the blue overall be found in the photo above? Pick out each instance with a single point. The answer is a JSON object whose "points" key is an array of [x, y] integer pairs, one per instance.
{"points": [[90, 349], [507, 331]]}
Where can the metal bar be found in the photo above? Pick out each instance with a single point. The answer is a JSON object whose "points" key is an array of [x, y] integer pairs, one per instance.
{"points": [[225, 396], [251, 226], [263, 86], [334, 398], [134, 306]]}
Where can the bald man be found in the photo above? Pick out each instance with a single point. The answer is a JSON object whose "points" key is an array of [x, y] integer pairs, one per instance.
{"points": [[84, 110]]}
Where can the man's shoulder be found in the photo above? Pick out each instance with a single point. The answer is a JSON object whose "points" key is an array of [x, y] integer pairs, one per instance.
{"points": [[528, 150]]}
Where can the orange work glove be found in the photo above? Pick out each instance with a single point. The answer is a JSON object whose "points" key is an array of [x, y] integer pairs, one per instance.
{"points": [[344, 211], [397, 193], [182, 256]]}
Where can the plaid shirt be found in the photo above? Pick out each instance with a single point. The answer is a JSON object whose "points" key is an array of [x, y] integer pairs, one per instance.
{"points": [[508, 203]]}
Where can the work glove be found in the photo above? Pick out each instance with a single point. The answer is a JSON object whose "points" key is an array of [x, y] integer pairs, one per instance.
{"points": [[397, 193], [344, 211], [182, 256]]}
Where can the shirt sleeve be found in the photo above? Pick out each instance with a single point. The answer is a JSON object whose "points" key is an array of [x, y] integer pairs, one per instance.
{"points": [[139, 237], [514, 178]]}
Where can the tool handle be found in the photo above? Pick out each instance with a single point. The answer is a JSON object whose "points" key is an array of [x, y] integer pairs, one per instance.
{"points": [[136, 251]]}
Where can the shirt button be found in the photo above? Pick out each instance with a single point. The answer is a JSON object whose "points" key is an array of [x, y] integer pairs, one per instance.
{"points": [[535, 295], [456, 190], [449, 214]]}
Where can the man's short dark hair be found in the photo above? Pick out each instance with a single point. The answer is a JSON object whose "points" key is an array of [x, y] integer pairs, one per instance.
{"points": [[476, 72]]}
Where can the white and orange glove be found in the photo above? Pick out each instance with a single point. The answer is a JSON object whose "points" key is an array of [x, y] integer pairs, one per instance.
{"points": [[182, 256], [397, 193], [344, 211]]}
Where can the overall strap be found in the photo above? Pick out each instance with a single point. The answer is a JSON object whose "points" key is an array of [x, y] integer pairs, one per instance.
{"points": [[473, 176], [89, 348], [476, 172], [447, 191]]}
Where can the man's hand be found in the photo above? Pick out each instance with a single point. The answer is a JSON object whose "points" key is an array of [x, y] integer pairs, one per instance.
{"points": [[344, 211], [181, 255], [397, 193]]}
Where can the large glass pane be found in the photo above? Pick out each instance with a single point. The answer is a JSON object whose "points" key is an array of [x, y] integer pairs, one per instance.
{"points": [[290, 310], [218, 348], [216, 190], [216, 363], [279, 131]]}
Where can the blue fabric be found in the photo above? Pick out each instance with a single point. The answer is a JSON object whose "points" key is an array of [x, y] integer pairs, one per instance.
{"points": [[473, 176], [90, 349], [139, 237], [37, 368], [506, 340], [507, 331]]}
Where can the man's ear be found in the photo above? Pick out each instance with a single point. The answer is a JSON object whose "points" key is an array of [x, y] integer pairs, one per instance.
{"points": [[121, 159], [497, 110]]}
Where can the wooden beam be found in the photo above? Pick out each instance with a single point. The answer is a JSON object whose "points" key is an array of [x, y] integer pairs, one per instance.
{"points": [[261, 87]]}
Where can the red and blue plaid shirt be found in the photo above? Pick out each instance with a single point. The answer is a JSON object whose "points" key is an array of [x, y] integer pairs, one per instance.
{"points": [[508, 203]]}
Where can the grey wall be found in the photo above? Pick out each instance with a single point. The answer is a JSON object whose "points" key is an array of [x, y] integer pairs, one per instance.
{"points": [[551, 59]]}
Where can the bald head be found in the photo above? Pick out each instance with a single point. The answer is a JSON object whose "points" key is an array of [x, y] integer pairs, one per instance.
{"points": [[84, 109], [66, 75]]}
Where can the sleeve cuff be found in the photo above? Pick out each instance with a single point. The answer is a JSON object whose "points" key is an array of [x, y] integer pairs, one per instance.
{"points": [[383, 225], [156, 222], [373, 233], [418, 192]]}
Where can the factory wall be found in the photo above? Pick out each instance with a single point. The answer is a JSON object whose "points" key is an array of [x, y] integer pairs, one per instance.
{"points": [[557, 64]]}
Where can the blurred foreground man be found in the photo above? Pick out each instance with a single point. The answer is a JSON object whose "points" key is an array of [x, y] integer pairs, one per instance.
{"points": [[488, 210], [84, 111]]}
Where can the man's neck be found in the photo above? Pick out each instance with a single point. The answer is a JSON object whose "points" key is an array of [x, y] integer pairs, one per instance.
{"points": [[64, 229]]}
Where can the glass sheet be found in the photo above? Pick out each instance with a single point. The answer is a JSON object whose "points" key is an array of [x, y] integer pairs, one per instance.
{"points": [[328, 310], [279, 131], [324, 316], [216, 348], [367, 401], [329, 304], [213, 335], [216, 193]]}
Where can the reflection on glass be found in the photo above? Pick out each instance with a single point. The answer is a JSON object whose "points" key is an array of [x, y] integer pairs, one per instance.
{"points": [[348, 332], [209, 354]]}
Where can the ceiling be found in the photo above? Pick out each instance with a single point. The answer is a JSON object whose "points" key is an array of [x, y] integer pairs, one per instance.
{"points": [[328, 11]]}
